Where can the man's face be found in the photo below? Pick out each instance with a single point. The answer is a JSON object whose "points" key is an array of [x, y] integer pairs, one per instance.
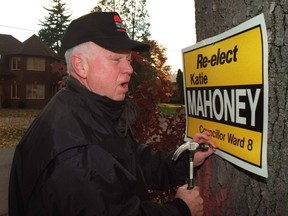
{"points": [[109, 73]]}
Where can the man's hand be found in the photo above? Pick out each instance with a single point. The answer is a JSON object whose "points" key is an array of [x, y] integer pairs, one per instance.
{"points": [[200, 156], [192, 198]]}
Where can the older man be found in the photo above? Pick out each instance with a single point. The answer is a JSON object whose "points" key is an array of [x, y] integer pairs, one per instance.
{"points": [[79, 157]]}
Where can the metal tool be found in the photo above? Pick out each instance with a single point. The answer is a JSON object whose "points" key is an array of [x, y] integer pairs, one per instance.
{"points": [[192, 147]]}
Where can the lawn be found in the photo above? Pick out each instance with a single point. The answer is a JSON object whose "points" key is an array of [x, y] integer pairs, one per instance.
{"points": [[13, 125], [168, 109]]}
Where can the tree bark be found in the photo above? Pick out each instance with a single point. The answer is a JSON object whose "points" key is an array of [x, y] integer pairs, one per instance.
{"points": [[228, 189]]}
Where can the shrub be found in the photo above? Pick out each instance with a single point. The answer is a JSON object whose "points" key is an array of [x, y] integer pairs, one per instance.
{"points": [[6, 104], [160, 131], [21, 105]]}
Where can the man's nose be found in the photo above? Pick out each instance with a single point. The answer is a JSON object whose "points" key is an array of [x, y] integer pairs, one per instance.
{"points": [[128, 68]]}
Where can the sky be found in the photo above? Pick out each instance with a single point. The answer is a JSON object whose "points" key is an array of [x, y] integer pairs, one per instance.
{"points": [[172, 25]]}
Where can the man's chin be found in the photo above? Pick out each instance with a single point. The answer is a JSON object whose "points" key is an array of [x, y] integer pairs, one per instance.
{"points": [[120, 97]]}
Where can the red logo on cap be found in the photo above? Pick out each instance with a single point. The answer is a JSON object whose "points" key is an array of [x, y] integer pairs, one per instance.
{"points": [[119, 25]]}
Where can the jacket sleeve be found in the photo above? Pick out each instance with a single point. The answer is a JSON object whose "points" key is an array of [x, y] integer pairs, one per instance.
{"points": [[159, 170], [81, 182]]}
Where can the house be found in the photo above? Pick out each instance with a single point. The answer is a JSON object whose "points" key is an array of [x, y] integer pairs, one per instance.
{"points": [[26, 78]]}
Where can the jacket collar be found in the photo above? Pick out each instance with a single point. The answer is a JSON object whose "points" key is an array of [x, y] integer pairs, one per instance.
{"points": [[122, 113]]}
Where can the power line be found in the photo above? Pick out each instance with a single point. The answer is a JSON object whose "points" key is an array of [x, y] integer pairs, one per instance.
{"points": [[13, 27]]}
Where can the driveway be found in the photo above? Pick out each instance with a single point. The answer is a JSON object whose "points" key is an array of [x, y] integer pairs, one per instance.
{"points": [[6, 156]]}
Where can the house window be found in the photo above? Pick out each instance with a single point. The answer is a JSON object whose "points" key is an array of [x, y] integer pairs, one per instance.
{"points": [[15, 91], [36, 64], [15, 64], [35, 91]]}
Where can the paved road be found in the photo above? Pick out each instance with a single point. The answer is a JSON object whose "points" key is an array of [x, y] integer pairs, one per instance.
{"points": [[6, 155]]}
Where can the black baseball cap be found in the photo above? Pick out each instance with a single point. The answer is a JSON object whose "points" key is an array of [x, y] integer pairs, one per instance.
{"points": [[103, 28]]}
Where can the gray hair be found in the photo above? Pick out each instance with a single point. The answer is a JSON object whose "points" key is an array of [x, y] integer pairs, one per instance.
{"points": [[68, 54], [85, 49]]}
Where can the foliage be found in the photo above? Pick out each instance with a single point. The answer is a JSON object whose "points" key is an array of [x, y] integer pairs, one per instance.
{"points": [[161, 197], [152, 125], [150, 66], [59, 73], [55, 25], [17, 113], [6, 103], [10, 135], [160, 131], [13, 125]]}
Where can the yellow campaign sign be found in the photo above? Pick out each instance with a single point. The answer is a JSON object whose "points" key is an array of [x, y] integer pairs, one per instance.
{"points": [[241, 143], [226, 93], [230, 57]]}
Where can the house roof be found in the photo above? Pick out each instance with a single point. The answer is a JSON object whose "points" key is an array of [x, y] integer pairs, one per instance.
{"points": [[33, 46], [8, 44]]}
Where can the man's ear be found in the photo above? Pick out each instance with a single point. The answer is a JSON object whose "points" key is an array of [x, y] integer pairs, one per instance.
{"points": [[79, 65]]}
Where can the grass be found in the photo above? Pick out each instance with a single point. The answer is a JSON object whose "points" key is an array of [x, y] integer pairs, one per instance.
{"points": [[168, 109]]}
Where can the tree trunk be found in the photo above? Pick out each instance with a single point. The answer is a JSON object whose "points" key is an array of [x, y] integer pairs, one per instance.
{"points": [[228, 189]]}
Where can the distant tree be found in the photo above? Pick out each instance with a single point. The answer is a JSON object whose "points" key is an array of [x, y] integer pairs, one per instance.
{"points": [[134, 14], [152, 66], [153, 127], [55, 25], [59, 73], [180, 86]]}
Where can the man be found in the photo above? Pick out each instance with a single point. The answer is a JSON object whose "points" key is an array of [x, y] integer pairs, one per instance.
{"points": [[79, 157]]}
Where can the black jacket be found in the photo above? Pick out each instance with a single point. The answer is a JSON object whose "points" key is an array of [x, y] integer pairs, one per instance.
{"points": [[78, 158]]}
